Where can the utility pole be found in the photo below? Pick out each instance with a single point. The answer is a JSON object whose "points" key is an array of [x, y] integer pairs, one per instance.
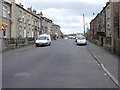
{"points": [[84, 23]]}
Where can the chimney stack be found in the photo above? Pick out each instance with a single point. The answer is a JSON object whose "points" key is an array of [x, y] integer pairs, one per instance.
{"points": [[21, 5], [29, 9], [34, 11]]}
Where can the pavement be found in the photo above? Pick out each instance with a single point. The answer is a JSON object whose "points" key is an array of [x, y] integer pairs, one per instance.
{"points": [[0, 64], [0, 70], [109, 62], [0, 46]]}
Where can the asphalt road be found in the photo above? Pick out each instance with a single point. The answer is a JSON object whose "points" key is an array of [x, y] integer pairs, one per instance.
{"points": [[61, 65]]}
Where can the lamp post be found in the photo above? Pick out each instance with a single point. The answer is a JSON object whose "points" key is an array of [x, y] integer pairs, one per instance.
{"points": [[84, 23], [87, 27]]}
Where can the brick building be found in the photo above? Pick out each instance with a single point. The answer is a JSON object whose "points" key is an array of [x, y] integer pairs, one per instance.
{"points": [[106, 26]]}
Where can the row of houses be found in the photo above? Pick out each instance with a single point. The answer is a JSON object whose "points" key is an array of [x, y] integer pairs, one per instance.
{"points": [[25, 23], [105, 27]]}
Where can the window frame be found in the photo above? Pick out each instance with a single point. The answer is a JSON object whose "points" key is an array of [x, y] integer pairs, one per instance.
{"points": [[20, 31], [4, 11]]}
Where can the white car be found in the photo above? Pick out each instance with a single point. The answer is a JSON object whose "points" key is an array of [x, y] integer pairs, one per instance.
{"points": [[81, 40], [43, 40]]}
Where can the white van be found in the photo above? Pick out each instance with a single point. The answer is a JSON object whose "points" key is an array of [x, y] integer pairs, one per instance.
{"points": [[43, 39], [81, 40]]}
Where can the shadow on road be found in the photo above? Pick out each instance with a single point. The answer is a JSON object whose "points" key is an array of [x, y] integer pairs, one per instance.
{"points": [[43, 46], [80, 45]]}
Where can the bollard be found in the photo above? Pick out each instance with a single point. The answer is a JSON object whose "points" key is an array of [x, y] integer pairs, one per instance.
{"points": [[16, 42]]}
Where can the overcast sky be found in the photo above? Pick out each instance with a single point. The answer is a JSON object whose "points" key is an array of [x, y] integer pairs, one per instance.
{"points": [[67, 13]]}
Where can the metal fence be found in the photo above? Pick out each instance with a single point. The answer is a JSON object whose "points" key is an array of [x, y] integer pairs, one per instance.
{"points": [[16, 42]]}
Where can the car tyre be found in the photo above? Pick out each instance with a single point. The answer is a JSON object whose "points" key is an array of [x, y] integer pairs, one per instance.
{"points": [[49, 43], [37, 45]]}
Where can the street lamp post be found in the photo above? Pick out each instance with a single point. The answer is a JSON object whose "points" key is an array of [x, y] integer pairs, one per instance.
{"points": [[87, 27], [84, 23]]}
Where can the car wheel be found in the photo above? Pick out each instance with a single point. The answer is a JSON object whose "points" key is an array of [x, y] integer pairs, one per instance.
{"points": [[49, 43], [37, 45]]}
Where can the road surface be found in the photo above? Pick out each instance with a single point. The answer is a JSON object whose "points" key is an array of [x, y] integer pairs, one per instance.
{"points": [[61, 65]]}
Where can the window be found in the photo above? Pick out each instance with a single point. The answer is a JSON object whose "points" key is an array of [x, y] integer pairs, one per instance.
{"points": [[108, 12], [4, 11], [20, 31], [28, 19], [24, 17], [20, 16], [32, 33], [20, 12], [28, 32], [35, 22], [32, 21], [42, 38]]}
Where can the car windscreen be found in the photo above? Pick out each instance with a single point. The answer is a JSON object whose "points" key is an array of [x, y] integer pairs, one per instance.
{"points": [[81, 38], [42, 38]]}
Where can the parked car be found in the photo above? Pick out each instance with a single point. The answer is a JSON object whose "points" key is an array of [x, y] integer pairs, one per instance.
{"points": [[81, 40], [43, 40]]}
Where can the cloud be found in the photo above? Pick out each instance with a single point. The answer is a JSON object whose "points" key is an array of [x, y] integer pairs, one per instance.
{"points": [[60, 15], [71, 30], [64, 18], [79, 7]]}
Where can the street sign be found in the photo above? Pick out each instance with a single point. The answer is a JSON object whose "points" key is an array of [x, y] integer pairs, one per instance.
{"points": [[3, 27]]}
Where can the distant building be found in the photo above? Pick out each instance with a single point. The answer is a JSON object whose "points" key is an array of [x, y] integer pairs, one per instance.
{"points": [[56, 31], [46, 25]]}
